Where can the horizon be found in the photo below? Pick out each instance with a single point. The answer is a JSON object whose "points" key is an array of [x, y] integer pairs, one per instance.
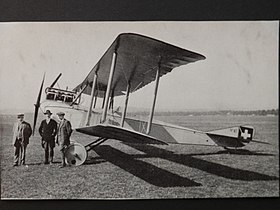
{"points": [[137, 109]]}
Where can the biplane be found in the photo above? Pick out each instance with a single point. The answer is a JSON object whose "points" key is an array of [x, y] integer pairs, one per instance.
{"points": [[130, 63]]}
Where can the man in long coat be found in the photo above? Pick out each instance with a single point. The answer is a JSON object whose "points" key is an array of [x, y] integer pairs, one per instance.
{"points": [[63, 135], [48, 131], [21, 134]]}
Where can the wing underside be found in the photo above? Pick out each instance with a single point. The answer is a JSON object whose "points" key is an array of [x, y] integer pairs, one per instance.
{"points": [[119, 133], [138, 58]]}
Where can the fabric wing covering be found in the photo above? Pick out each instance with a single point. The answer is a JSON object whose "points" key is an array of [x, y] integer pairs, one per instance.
{"points": [[138, 58]]}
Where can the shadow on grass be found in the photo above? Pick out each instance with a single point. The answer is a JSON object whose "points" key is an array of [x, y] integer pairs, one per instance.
{"points": [[145, 171], [204, 165], [94, 160], [235, 152]]}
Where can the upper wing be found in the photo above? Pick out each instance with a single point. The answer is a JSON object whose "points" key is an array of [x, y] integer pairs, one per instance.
{"points": [[138, 58]]}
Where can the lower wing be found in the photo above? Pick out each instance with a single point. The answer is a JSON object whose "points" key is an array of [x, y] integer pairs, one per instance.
{"points": [[119, 133]]}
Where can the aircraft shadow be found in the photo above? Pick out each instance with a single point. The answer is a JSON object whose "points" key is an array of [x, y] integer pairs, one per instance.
{"points": [[143, 170], [235, 152], [94, 160], [203, 165]]}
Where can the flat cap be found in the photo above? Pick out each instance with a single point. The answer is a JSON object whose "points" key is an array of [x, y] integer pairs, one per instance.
{"points": [[60, 113]]}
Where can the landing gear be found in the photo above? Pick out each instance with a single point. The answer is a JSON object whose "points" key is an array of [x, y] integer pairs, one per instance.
{"points": [[76, 154]]}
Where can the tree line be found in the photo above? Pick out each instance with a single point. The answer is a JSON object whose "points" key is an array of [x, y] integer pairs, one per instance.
{"points": [[197, 113]]}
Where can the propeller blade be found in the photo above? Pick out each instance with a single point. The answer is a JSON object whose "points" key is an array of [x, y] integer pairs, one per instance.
{"points": [[37, 105], [55, 81], [35, 118]]}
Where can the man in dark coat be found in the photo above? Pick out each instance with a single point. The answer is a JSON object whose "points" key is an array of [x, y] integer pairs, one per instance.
{"points": [[63, 135], [21, 134], [48, 131]]}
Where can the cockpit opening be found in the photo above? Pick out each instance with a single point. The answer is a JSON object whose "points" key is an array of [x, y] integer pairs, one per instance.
{"points": [[61, 95]]}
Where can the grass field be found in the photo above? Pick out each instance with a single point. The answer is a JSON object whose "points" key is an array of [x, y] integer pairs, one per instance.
{"points": [[133, 171]]}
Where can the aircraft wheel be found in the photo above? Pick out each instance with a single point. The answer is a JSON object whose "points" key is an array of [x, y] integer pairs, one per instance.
{"points": [[75, 154]]}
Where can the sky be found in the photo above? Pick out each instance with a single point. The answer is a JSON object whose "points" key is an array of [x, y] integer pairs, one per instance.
{"points": [[240, 71]]}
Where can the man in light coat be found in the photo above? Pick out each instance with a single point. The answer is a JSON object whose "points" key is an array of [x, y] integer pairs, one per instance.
{"points": [[21, 134], [63, 135]]}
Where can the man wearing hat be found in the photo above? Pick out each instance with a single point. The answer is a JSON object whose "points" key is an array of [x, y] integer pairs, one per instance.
{"points": [[48, 131], [22, 132], [63, 135]]}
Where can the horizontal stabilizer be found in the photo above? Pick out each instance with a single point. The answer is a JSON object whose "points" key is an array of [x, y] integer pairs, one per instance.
{"points": [[260, 142]]}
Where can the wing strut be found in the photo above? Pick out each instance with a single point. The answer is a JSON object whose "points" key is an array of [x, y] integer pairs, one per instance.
{"points": [[55, 81], [126, 102], [113, 63], [95, 98], [91, 100], [80, 93], [154, 101]]}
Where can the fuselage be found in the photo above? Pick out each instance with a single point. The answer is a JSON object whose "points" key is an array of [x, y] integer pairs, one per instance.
{"points": [[77, 114]]}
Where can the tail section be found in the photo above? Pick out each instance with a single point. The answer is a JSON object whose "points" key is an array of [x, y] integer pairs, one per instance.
{"points": [[232, 137], [245, 133]]}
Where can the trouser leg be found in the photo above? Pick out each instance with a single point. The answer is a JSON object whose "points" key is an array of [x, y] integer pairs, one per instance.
{"points": [[63, 148], [17, 152], [23, 152], [46, 152], [51, 154], [63, 158]]}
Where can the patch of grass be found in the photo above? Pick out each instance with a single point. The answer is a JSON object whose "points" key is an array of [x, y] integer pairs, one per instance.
{"points": [[117, 170]]}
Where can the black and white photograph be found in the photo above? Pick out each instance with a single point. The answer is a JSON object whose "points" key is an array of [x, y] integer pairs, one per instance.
{"points": [[139, 110]]}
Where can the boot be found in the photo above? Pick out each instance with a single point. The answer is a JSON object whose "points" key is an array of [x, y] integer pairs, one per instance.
{"points": [[51, 161]]}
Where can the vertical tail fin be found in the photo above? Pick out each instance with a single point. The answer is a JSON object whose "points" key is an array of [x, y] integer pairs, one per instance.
{"points": [[246, 133]]}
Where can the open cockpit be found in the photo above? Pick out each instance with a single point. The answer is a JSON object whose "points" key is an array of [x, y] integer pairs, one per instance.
{"points": [[67, 96]]}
